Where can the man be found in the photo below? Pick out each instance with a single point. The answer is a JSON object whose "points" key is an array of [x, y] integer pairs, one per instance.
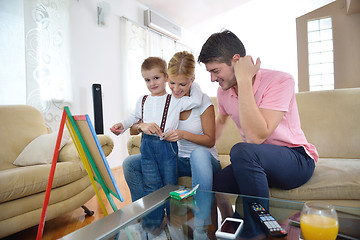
{"points": [[262, 103]]}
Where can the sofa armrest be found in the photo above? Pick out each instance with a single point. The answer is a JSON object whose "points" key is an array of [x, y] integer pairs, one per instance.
{"points": [[133, 144], [69, 153]]}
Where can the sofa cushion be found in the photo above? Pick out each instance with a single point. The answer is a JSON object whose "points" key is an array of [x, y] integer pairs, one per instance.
{"points": [[24, 181], [26, 213], [20, 206], [41, 149], [332, 179], [14, 121], [328, 119]]}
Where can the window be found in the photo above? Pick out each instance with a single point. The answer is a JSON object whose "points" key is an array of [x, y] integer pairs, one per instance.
{"points": [[320, 54]]}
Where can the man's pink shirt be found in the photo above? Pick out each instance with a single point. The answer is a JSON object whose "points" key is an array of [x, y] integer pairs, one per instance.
{"points": [[273, 90]]}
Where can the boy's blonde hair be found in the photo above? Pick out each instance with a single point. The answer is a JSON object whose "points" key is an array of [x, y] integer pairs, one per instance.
{"points": [[182, 63], [154, 62]]}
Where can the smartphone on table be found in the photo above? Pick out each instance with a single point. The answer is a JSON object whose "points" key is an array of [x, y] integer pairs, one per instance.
{"points": [[230, 228]]}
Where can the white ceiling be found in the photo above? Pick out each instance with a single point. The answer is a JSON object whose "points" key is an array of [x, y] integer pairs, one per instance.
{"points": [[186, 13]]}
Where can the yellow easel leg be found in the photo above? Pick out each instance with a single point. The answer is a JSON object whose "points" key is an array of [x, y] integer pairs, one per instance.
{"points": [[85, 162]]}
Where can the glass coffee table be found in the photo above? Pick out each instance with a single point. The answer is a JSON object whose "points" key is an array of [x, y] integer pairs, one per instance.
{"points": [[157, 216]]}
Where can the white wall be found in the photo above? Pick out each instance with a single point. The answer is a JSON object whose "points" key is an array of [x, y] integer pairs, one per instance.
{"points": [[95, 58]]}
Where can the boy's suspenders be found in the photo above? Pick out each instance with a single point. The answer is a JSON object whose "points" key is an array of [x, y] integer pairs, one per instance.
{"points": [[166, 108], [142, 107]]}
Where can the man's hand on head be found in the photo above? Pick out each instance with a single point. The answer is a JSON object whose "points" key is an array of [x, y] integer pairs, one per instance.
{"points": [[245, 69]]}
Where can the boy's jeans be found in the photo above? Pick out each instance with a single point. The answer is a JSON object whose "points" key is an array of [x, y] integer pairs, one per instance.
{"points": [[201, 165], [158, 163]]}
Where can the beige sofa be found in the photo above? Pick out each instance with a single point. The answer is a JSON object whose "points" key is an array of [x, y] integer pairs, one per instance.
{"points": [[330, 121], [22, 188]]}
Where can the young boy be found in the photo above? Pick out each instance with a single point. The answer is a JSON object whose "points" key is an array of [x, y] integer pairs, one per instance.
{"points": [[158, 157]]}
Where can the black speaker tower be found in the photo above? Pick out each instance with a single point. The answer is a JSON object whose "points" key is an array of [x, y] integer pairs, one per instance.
{"points": [[98, 109]]}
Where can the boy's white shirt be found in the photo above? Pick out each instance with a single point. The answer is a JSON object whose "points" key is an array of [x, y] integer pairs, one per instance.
{"points": [[154, 108]]}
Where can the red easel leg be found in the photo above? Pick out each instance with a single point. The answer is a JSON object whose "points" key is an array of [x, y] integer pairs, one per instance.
{"points": [[51, 177]]}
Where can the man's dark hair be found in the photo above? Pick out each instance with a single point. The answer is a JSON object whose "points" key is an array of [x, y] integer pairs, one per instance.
{"points": [[221, 47]]}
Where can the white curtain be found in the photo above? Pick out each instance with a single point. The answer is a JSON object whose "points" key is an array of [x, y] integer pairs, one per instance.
{"points": [[47, 57], [137, 44]]}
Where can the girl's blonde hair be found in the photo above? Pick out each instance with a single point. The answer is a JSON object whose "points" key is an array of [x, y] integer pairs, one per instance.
{"points": [[182, 63]]}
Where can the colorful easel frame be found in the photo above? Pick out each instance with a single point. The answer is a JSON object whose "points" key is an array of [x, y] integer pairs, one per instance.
{"points": [[97, 157], [92, 157]]}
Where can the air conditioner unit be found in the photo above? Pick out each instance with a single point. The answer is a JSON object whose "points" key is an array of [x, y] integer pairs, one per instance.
{"points": [[161, 24]]}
